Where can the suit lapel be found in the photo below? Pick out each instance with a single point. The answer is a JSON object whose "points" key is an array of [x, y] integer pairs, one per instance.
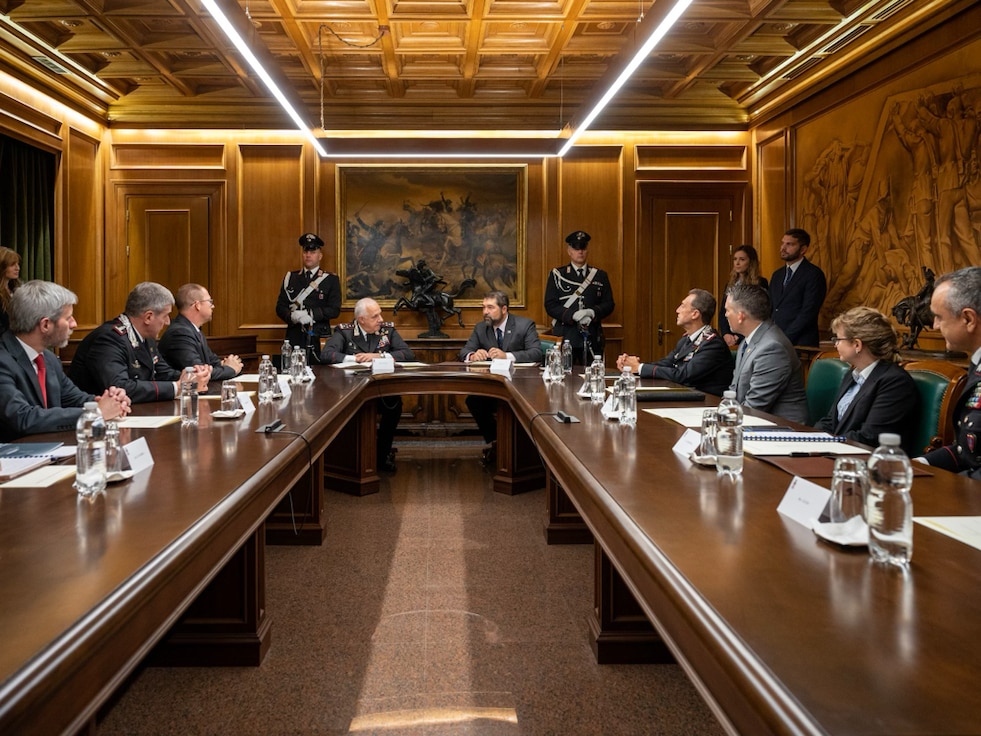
{"points": [[17, 351]]}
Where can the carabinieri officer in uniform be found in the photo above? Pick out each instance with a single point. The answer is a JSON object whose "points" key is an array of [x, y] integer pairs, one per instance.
{"points": [[361, 341], [309, 299], [577, 298]]}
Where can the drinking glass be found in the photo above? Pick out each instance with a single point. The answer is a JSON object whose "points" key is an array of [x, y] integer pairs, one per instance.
{"points": [[229, 396], [597, 383], [710, 421], [849, 484]]}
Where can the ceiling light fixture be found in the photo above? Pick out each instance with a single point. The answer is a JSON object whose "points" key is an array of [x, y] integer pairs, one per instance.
{"points": [[642, 53], [225, 24]]}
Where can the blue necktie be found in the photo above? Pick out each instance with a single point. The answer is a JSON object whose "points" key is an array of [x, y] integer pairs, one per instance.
{"points": [[787, 276], [500, 339]]}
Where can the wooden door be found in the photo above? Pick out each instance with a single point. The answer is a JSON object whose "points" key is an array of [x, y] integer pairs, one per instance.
{"points": [[168, 239], [689, 236]]}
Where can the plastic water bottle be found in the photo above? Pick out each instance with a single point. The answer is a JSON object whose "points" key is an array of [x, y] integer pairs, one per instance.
{"points": [[567, 356], [729, 436], [90, 455], [267, 387], [889, 506], [286, 357], [189, 398], [627, 391]]}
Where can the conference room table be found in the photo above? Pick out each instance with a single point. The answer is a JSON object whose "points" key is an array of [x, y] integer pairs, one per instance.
{"points": [[779, 631]]}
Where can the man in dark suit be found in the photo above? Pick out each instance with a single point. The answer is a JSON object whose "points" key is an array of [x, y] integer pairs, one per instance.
{"points": [[309, 299], [956, 305], [500, 335], [184, 344], [701, 359], [768, 375], [797, 290], [361, 341], [123, 351], [35, 393], [578, 297]]}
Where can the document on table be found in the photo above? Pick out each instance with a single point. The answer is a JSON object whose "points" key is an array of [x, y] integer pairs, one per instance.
{"points": [[42, 477], [486, 364], [147, 422], [801, 448], [691, 416], [966, 529], [13, 467]]}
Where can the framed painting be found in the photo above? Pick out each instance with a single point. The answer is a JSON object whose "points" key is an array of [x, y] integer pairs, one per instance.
{"points": [[462, 223]]}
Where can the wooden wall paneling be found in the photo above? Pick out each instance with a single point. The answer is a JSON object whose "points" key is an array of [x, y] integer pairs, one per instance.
{"points": [[772, 197], [79, 223], [271, 215], [591, 199]]}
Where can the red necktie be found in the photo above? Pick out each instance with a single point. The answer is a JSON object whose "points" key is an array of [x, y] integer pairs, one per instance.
{"points": [[41, 373]]}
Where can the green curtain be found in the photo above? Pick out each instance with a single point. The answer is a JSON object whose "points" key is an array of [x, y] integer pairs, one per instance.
{"points": [[27, 182]]}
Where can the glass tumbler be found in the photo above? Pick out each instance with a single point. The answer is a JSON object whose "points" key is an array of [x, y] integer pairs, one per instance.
{"points": [[229, 396], [849, 484], [710, 422]]}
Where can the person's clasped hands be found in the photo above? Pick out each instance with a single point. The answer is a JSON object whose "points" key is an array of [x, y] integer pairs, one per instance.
{"points": [[301, 317], [583, 316], [114, 403]]}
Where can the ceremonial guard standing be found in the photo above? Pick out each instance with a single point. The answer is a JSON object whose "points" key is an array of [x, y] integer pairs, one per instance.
{"points": [[577, 298], [309, 299]]}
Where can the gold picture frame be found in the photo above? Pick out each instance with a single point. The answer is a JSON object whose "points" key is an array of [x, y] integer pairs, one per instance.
{"points": [[465, 222]]}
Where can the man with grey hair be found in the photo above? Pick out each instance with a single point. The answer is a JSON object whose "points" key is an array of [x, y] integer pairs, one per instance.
{"points": [[701, 359], [361, 341], [956, 306], [35, 393], [768, 375], [123, 351]]}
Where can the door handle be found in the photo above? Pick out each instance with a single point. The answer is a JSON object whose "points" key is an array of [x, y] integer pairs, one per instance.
{"points": [[661, 332]]}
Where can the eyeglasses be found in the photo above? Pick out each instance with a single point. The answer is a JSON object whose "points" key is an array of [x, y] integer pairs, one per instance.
{"points": [[210, 301], [835, 339]]}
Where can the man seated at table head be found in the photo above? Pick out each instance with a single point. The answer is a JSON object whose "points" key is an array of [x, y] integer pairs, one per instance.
{"points": [[701, 359], [35, 393], [956, 306], [123, 351], [499, 335], [768, 374], [361, 341], [184, 344]]}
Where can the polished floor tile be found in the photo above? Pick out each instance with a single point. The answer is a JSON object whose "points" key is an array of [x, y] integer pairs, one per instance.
{"points": [[434, 607]]}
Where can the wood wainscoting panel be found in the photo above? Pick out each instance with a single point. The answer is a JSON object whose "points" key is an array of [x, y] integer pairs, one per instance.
{"points": [[78, 260]]}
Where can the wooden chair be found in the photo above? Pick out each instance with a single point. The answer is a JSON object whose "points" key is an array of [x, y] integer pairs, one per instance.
{"points": [[823, 381], [940, 385]]}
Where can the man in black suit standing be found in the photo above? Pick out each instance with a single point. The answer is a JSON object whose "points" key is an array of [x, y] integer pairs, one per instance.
{"points": [[701, 359], [578, 297], [309, 299], [35, 393], [184, 344], [500, 335], [361, 341], [797, 290]]}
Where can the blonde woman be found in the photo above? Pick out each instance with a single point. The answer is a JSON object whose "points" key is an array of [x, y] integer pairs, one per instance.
{"points": [[877, 395]]}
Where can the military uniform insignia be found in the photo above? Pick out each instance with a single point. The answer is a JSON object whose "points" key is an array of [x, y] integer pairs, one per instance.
{"points": [[974, 401]]}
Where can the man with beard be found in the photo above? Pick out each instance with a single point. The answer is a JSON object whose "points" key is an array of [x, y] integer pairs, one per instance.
{"points": [[500, 335]]}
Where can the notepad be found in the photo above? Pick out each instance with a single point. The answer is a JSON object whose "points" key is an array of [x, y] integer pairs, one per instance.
{"points": [[12, 467], [28, 449], [783, 435]]}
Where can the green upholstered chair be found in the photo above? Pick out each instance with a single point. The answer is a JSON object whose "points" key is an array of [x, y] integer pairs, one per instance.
{"points": [[823, 381], [940, 385]]}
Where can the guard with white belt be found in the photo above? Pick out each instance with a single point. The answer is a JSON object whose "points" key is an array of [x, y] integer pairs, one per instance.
{"points": [[309, 299]]}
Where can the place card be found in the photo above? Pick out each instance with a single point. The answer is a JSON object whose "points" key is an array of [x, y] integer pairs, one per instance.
{"points": [[688, 443], [384, 364], [138, 455], [804, 501]]}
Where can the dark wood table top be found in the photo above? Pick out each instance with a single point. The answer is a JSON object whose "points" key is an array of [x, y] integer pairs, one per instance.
{"points": [[781, 632]]}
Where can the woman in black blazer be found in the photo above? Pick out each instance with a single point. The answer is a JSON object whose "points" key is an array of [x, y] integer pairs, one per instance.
{"points": [[886, 398], [745, 269]]}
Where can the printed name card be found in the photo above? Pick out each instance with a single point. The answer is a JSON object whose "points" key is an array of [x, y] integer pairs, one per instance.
{"points": [[138, 455], [384, 364], [245, 401], [804, 501], [502, 367], [687, 443]]}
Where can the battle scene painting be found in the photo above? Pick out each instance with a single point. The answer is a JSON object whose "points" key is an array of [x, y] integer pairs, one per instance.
{"points": [[463, 223]]}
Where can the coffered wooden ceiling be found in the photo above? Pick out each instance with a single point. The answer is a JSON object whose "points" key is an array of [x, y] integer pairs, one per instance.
{"points": [[448, 64]]}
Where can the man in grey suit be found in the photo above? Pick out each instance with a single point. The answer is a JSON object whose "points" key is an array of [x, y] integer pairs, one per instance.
{"points": [[500, 335], [768, 374], [35, 394]]}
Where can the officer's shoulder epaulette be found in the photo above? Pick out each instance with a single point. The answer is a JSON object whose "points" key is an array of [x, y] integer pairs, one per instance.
{"points": [[345, 326], [119, 327], [390, 325]]}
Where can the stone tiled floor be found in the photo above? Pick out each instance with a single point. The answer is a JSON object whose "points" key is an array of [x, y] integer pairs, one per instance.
{"points": [[434, 607]]}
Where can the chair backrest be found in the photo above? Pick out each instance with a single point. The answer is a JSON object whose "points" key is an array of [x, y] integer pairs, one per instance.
{"points": [[823, 381], [940, 385], [547, 344]]}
